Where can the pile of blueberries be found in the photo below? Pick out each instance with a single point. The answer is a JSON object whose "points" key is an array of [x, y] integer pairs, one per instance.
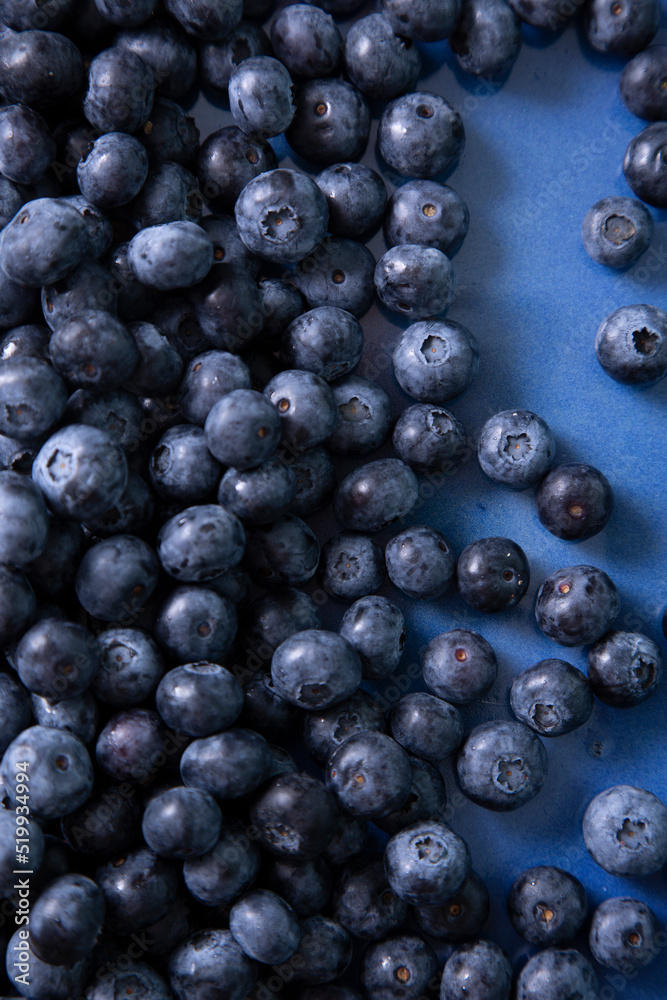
{"points": [[181, 324]]}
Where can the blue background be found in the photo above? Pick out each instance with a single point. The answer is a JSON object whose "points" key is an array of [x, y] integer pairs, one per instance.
{"points": [[540, 150]]}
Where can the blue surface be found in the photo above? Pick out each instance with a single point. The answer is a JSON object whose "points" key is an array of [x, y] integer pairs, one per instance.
{"points": [[540, 151]]}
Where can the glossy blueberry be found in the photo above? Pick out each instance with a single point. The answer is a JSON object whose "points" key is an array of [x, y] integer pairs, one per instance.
{"points": [[617, 231], [219, 59], [195, 623], [375, 627], [228, 764], [420, 135], [132, 746], [206, 19], [459, 666], [17, 604], [430, 439], [400, 967], [120, 91], [351, 566], [325, 950], [57, 659], [93, 350], [641, 84], [208, 378], [461, 917], [81, 471], [306, 406], [227, 306], [366, 906], [116, 577], [181, 466], [420, 561], [138, 889], [285, 552], [307, 41], [424, 20], [574, 501], [295, 817], [624, 668], [221, 875], [379, 62], [45, 239], [576, 605], [61, 775], [181, 823], [50, 982], [281, 303], [39, 68], [66, 920], [624, 935], [547, 906], [366, 415], [426, 726], [375, 494], [643, 165], [276, 616], [427, 800], [492, 574], [631, 345], [426, 863], [26, 146], [265, 927], [502, 765], [314, 669], [370, 775], [487, 38], [356, 196], [89, 287], [100, 229], [170, 194], [169, 55], [552, 697], [265, 711], [415, 281], [228, 160], [331, 122], [338, 273], [315, 477], [623, 30], [170, 135], [426, 213], [200, 543], [113, 170], [173, 255], [77, 715], [130, 668], [325, 731], [516, 448], [261, 96], [243, 429], [306, 885], [228, 248], [199, 699], [281, 215], [259, 495], [15, 712], [25, 523], [557, 974]]}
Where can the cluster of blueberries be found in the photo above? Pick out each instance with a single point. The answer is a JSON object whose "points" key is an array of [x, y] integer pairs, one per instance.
{"points": [[172, 390]]}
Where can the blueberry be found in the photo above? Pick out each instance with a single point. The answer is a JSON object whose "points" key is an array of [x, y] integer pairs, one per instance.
{"points": [[459, 666], [227, 765], [424, 20], [306, 885], [206, 19], [574, 501], [17, 604], [325, 950], [624, 668], [45, 239], [120, 91], [181, 823], [265, 711], [61, 775], [375, 627], [243, 429], [132, 746], [116, 577], [546, 14], [259, 495], [199, 699], [112, 984], [375, 494], [631, 345], [167, 52], [547, 906], [306, 406], [366, 906], [126, 13], [492, 574], [208, 378], [624, 935], [285, 552], [552, 697], [47, 982], [370, 775], [307, 41], [576, 605], [281, 215], [356, 196], [281, 303], [338, 273], [219, 59], [261, 96], [18, 303], [352, 566], [11, 199], [622, 29], [173, 255], [129, 515], [228, 248], [420, 135], [516, 448], [228, 160], [379, 62], [81, 471], [436, 360], [641, 84], [617, 231], [430, 439], [265, 927], [487, 38], [227, 306], [15, 714], [275, 616], [200, 543], [39, 68], [502, 765], [113, 170], [427, 799], [349, 841], [294, 816], [77, 715], [26, 146], [477, 971], [93, 350], [57, 659], [89, 287], [135, 299], [325, 731], [420, 561], [461, 917], [399, 968], [24, 525], [29, 340], [222, 874], [426, 863], [66, 920], [366, 416], [315, 477], [557, 974], [643, 165], [171, 135], [181, 466], [194, 623], [131, 667], [426, 726], [100, 229], [21, 15], [415, 281], [428, 214], [170, 194], [314, 669]]}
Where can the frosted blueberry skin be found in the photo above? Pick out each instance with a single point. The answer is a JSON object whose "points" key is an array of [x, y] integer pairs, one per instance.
{"points": [[459, 666], [26, 146], [94, 476], [45, 240], [259, 495], [376, 629], [283, 553], [415, 281], [502, 765], [307, 41], [242, 429], [201, 543], [351, 566], [172, 255], [426, 726], [370, 775], [305, 885], [375, 494], [547, 14], [57, 659], [168, 52], [624, 668], [624, 934], [325, 340], [194, 623], [325, 731], [380, 62], [295, 817], [425, 21], [93, 350], [492, 574], [306, 406], [479, 968], [218, 59], [25, 522], [325, 950], [18, 605], [426, 863], [420, 135], [574, 501], [220, 876], [631, 345], [625, 831], [265, 926], [116, 577], [315, 669], [547, 906], [426, 213], [625, 31], [181, 467], [113, 170], [576, 605], [461, 918], [430, 439], [208, 958], [427, 800], [226, 765], [557, 973], [640, 84], [365, 905], [552, 697], [616, 231], [275, 616], [61, 774], [643, 166], [131, 667], [206, 20], [228, 159], [120, 91], [435, 360], [420, 561], [15, 714], [366, 416], [338, 273], [401, 966], [487, 38], [356, 196], [39, 68], [287, 197], [261, 96], [181, 823], [516, 448], [331, 122]]}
